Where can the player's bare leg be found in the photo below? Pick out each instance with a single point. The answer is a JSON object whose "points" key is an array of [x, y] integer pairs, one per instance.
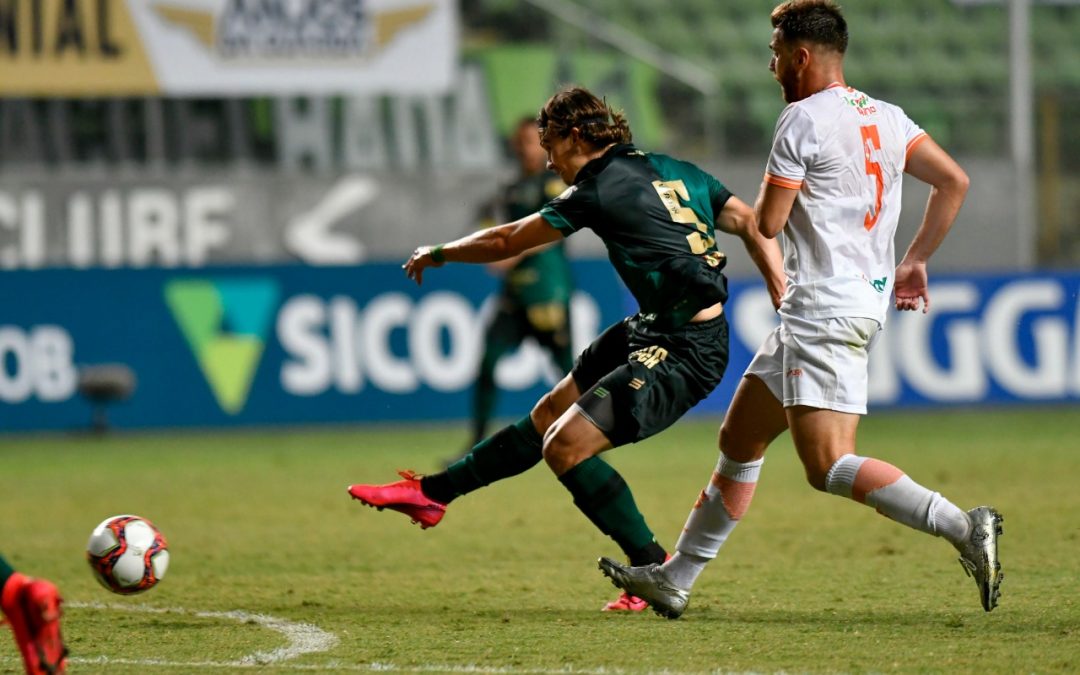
{"points": [[825, 441], [754, 419]]}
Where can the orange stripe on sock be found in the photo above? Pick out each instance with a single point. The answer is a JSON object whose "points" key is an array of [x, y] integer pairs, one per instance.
{"points": [[874, 474], [735, 495]]}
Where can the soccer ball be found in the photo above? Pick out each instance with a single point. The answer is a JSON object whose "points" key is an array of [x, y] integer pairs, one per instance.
{"points": [[128, 554]]}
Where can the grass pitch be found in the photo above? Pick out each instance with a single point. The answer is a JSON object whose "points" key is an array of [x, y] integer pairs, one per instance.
{"points": [[270, 557]]}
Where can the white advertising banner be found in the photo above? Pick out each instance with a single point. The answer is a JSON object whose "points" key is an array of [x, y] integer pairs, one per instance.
{"points": [[228, 47]]}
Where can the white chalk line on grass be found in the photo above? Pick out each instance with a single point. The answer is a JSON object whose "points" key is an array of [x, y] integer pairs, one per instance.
{"points": [[350, 667], [301, 638]]}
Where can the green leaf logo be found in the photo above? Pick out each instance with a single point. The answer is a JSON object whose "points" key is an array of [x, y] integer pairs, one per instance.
{"points": [[225, 322]]}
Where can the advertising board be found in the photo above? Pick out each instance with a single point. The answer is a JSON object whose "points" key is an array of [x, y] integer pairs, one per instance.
{"points": [[226, 47], [226, 346]]}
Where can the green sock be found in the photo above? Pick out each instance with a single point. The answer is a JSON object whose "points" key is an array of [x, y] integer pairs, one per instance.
{"points": [[6, 570], [510, 451], [605, 498]]}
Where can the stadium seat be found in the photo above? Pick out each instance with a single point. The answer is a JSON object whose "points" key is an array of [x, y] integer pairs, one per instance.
{"points": [[928, 50]]}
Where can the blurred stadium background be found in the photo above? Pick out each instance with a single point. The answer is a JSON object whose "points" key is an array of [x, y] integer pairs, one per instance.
{"points": [[204, 203]]}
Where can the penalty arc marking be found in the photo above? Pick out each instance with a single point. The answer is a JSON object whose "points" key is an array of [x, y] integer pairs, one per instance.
{"points": [[301, 638]]}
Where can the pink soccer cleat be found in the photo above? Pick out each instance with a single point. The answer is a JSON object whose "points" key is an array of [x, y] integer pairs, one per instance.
{"points": [[404, 496], [32, 608], [626, 603]]}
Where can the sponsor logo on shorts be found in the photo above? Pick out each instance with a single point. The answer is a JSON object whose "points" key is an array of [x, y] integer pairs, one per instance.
{"points": [[795, 372], [637, 383], [650, 356], [600, 392]]}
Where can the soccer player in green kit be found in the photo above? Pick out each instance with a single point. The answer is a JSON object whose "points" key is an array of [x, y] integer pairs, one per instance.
{"points": [[656, 215], [534, 300]]}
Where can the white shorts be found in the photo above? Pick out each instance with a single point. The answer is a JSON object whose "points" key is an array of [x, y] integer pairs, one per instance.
{"points": [[822, 363]]}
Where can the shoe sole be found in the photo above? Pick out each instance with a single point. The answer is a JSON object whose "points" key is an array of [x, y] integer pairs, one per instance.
{"points": [[613, 576], [414, 521]]}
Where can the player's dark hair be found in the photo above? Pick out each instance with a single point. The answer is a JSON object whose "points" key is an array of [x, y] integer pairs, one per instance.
{"points": [[816, 21], [592, 116]]}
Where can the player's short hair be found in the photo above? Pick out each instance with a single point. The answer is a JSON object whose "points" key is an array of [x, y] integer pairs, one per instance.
{"points": [[578, 107], [816, 21]]}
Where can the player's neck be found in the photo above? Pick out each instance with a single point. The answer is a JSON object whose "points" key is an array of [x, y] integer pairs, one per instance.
{"points": [[816, 82], [596, 153]]}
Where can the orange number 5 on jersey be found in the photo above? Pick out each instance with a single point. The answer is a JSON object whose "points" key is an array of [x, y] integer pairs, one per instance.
{"points": [[872, 141]]}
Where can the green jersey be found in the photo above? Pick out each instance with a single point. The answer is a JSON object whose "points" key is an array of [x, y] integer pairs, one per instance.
{"points": [[655, 215], [542, 277]]}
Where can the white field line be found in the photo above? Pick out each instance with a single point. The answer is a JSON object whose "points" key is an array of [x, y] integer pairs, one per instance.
{"points": [[301, 638], [337, 666], [307, 639]]}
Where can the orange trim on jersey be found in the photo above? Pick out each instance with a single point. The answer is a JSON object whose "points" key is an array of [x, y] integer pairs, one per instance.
{"points": [[780, 181], [914, 143]]}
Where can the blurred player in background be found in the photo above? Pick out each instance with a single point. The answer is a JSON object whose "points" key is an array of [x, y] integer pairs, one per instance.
{"points": [[832, 185], [656, 216], [534, 300], [32, 608]]}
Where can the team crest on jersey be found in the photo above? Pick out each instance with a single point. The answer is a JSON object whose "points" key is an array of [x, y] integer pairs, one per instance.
{"points": [[861, 104]]}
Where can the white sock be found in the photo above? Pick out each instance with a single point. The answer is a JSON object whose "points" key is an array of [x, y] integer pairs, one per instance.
{"points": [[894, 495], [718, 509]]}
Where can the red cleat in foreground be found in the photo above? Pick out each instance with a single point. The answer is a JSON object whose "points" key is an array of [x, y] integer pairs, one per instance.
{"points": [[404, 496], [32, 608], [629, 603], [626, 603]]}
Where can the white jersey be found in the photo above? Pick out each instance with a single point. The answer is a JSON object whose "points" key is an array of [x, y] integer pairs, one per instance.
{"points": [[845, 154]]}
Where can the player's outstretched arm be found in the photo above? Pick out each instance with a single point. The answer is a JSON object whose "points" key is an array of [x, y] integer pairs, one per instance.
{"points": [[738, 218], [949, 185], [484, 246]]}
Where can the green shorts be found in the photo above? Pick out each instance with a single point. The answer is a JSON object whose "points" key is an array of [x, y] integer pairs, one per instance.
{"points": [[637, 381]]}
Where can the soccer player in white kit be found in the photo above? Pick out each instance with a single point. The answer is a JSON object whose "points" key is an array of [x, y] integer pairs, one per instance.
{"points": [[832, 186]]}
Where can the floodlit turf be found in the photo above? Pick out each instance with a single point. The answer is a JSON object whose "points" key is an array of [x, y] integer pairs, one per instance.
{"points": [[260, 523]]}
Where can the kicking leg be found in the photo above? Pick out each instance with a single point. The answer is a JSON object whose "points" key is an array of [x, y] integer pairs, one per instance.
{"points": [[510, 451]]}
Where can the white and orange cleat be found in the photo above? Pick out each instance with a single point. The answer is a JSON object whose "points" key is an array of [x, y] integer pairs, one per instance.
{"points": [[404, 496]]}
